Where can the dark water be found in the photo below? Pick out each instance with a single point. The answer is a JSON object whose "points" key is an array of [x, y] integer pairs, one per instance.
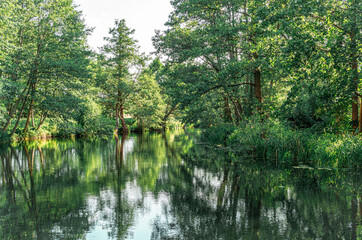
{"points": [[155, 186]]}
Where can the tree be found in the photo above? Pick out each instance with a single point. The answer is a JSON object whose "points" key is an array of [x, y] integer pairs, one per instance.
{"points": [[226, 47], [48, 59], [148, 103], [246, 55], [119, 61], [321, 55]]}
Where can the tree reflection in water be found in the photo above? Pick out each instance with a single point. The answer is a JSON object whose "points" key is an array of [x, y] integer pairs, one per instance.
{"points": [[165, 186]]}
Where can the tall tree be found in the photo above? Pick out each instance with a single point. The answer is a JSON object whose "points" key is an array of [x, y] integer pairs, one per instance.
{"points": [[321, 52], [225, 43], [119, 60], [48, 58]]}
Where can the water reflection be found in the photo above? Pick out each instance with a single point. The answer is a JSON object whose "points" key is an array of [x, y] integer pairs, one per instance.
{"points": [[166, 186]]}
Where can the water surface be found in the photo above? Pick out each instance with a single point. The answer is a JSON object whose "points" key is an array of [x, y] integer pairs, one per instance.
{"points": [[167, 186]]}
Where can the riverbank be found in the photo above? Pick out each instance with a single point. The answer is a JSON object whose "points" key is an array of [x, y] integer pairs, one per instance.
{"points": [[275, 142], [59, 128]]}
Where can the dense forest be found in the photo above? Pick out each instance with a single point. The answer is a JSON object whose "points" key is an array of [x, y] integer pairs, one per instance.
{"points": [[277, 79]]}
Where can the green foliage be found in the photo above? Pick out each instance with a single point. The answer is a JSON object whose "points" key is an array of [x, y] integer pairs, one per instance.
{"points": [[337, 151], [92, 122], [218, 135], [280, 145], [44, 59], [114, 75], [270, 140], [303, 57], [223, 62], [148, 104]]}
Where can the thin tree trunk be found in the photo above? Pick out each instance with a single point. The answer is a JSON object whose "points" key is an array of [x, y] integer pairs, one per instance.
{"points": [[354, 83], [12, 111], [237, 111], [167, 115], [355, 112], [32, 118], [41, 121], [240, 107], [21, 113], [360, 207], [117, 121], [221, 195], [250, 100], [257, 86], [227, 110], [123, 122], [8, 175], [360, 119], [118, 159], [29, 116]]}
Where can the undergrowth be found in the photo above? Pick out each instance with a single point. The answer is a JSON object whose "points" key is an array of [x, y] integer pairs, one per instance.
{"points": [[275, 142]]}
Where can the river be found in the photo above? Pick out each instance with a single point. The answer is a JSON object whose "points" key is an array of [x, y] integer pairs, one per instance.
{"points": [[168, 186]]}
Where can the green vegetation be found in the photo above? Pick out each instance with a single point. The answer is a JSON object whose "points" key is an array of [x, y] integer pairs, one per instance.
{"points": [[270, 79], [274, 86], [286, 147], [276, 80], [52, 84]]}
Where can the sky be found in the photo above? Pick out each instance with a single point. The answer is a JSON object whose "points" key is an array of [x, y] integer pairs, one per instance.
{"points": [[145, 16]]}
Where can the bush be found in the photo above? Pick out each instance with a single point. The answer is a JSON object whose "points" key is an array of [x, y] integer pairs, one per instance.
{"points": [[337, 151], [218, 135], [270, 140], [66, 128], [97, 125]]}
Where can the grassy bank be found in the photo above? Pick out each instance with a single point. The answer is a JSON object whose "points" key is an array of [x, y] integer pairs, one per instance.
{"points": [[59, 128], [277, 143]]}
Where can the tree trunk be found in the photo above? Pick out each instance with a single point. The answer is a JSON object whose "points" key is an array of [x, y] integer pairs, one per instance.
{"points": [[354, 82], [41, 160], [250, 99], [123, 122], [221, 196], [8, 176], [257, 86], [360, 119], [29, 116], [166, 116], [240, 107], [227, 111], [20, 114], [13, 109], [41, 121], [117, 121], [360, 207], [237, 111], [355, 112], [32, 83], [32, 118]]}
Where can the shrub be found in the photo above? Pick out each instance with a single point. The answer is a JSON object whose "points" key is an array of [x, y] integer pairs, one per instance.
{"points": [[218, 135]]}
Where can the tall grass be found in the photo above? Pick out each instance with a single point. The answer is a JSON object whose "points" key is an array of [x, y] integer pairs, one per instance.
{"points": [[277, 143]]}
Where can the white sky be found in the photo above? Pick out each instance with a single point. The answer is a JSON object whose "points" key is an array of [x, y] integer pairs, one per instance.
{"points": [[145, 16]]}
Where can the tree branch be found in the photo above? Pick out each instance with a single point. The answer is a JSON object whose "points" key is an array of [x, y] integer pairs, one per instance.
{"points": [[324, 20]]}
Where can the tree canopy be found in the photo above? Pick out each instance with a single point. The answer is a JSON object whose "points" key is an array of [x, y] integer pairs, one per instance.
{"points": [[218, 62]]}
